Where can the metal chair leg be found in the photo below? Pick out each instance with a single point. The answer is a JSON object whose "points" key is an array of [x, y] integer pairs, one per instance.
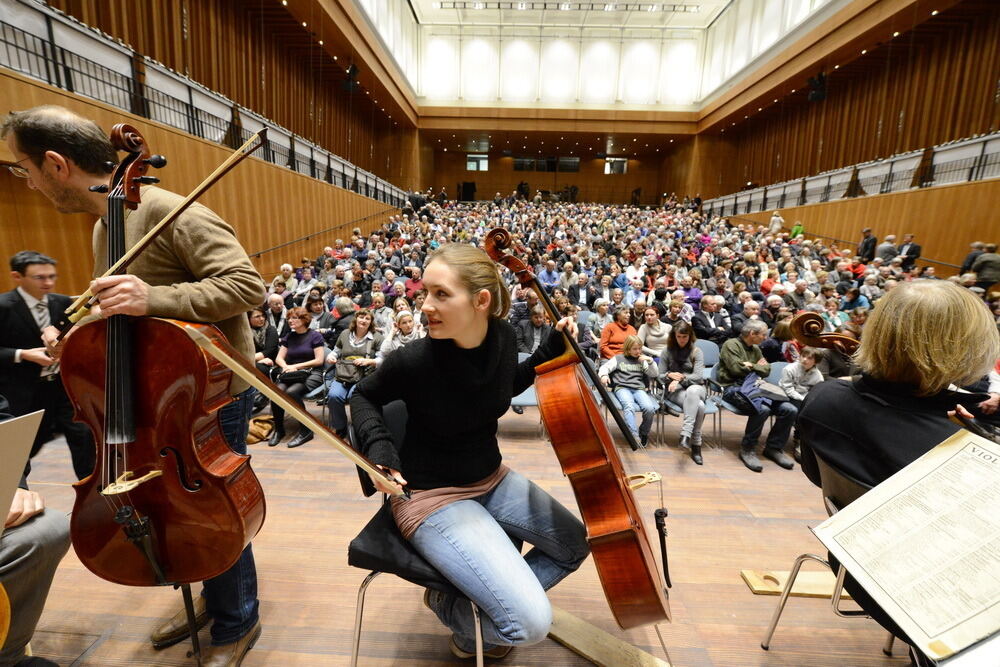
{"points": [[479, 634], [887, 649], [835, 598], [359, 613], [785, 593]]}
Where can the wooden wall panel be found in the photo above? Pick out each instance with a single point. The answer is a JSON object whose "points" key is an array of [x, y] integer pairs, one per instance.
{"points": [[268, 205], [595, 186], [933, 84], [944, 219], [258, 56]]}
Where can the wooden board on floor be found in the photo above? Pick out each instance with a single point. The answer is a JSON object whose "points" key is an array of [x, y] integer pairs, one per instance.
{"points": [[596, 645], [807, 585]]}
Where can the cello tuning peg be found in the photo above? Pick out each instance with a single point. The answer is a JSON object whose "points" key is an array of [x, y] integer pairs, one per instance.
{"points": [[148, 180], [109, 166], [98, 188], [156, 161]]}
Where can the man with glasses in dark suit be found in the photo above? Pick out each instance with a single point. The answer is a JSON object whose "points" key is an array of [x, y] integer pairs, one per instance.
{"points": [[30, 378]]}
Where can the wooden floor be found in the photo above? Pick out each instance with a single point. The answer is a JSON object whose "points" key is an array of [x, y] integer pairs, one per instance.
{"points": [[722, 518]]}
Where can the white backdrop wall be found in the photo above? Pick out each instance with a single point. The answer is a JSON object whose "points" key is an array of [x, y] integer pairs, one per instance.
{"points": [[517, 65], [557, 67]]}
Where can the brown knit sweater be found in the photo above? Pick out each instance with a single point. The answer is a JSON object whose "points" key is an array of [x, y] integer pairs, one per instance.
{"points": [[197, 270]]}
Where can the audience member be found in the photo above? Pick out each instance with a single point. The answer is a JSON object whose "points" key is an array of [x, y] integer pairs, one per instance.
{"points": [[355, 355], [738, 358], [682, 373], [627, 374], [615, 333], [299, 363]]}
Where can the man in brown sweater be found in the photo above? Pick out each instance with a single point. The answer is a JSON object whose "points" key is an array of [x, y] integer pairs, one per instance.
{"points": [[197, 271]]}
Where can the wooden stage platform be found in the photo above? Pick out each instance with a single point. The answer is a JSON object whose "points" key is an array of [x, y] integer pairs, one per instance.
{"points": [[723, 518]]}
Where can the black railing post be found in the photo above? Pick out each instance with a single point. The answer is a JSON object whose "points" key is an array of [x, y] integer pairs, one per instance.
{"points": [[51, 69], [137, 87], [194, 127]]}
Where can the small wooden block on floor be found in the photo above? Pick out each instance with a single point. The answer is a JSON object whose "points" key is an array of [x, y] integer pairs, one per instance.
{"points": [[596, 645], [817, 584]]}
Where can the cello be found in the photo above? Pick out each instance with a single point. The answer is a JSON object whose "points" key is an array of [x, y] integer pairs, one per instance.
{"points": [[168, 502], [588, 456]]}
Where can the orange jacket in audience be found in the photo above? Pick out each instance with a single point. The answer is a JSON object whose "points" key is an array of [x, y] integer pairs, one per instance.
{"points": [[612, 338]]}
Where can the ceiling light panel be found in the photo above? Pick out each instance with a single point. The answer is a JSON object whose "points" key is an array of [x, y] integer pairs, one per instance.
{"points": [[568, 6]]}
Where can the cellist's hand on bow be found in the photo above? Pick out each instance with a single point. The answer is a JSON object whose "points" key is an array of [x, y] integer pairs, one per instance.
{"points": [[385, 486], [567, 324], [121, 295], [53, 346]]}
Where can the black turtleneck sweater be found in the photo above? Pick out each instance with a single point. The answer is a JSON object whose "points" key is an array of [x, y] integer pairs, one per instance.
{"points": [[871, 429], [453, 397]]}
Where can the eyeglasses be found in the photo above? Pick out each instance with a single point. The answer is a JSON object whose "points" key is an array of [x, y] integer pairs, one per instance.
{"points": [[18, 170]]}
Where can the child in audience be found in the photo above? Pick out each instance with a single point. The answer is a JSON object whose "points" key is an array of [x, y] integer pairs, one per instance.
{"points": [[797, 378]]}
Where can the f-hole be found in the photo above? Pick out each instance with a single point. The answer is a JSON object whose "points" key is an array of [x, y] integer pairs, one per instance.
{"points": [[196, 486]]}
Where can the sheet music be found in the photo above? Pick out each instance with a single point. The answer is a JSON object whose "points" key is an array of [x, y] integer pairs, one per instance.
{"points": [[925, 544]]}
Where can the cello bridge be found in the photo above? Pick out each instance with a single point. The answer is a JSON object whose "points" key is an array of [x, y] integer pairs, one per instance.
{"points": [[126, 483], [642, 479]]}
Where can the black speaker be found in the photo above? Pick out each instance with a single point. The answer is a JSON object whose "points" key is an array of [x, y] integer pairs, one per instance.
{"points": [[506, 152], [351, 84], [601, 156], [817, 88]]}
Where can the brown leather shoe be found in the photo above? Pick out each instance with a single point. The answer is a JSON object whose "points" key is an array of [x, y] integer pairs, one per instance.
{"points": [[176, 629], [231, 655]]}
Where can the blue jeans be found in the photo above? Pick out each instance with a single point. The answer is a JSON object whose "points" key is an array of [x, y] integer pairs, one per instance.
{"points": [[634, 400], [474, 544], [336, 403], [784, 418], [231, 597]]}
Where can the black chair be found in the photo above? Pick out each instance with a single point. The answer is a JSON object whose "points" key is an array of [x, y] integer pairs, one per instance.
{"points": [[839, 491], [380, 547]]}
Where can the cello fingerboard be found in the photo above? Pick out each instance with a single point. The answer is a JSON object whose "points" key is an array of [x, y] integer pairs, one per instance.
{"points": [[119, 415]]}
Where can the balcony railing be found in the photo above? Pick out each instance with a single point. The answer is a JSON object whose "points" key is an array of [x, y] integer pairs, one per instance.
{"points": [[110, 75], [961, 161]]}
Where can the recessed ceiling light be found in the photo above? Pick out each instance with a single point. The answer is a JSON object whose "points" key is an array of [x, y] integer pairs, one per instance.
{"points": [[934, 13], [284, 2], [321, 42], [836, 67], [864, 51], [304, 24], [335, 57], [895, 34]]}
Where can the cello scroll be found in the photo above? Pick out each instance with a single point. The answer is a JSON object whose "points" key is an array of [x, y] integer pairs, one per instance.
{"points": [[807, 328]]}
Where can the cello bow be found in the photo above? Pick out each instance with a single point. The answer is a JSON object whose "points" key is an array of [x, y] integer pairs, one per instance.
{"points": [[227, 355]]}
